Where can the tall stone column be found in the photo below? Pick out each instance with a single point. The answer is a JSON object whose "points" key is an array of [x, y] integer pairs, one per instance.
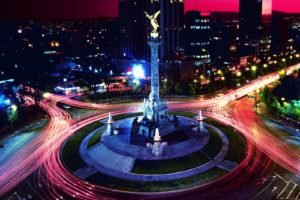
{"points": [[155, 113], [154, 43]]}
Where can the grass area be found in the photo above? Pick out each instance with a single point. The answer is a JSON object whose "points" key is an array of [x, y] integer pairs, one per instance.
{"points": [[237, 147], [127, 115], [95, 139], [214, 145], [74, 111], [70, 153], [184, 114], [107, 181], [169, 166]]}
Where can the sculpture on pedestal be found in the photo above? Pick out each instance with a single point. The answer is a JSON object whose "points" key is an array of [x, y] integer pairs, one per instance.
{"points": [[158, 147], [155, 112], [200, 126], [110, 122], [153, 21]]}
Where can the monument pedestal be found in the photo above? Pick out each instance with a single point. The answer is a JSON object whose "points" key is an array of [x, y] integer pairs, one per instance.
{"points": [[156, 115]]}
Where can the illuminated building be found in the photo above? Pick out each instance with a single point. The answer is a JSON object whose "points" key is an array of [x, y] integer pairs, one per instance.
{"points": [[197, 38]]}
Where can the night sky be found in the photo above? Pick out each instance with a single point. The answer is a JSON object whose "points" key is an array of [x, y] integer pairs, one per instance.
{"points": [[292, 6], [79, 9]]}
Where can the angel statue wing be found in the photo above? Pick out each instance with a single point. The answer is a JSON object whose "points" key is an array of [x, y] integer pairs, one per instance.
{"points": [[153, 21], [147, 15], [156, 14]]}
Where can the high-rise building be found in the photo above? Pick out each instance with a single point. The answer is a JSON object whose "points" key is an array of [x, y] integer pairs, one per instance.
{"points": [[250, 26], [134, 26], [133, 30], [197, 36], [171, 27], [224, 34], [285, 32]]}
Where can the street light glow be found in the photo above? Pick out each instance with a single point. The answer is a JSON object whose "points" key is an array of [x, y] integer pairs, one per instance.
{"points": [[138, 71], [14, 108], [46, 95]]}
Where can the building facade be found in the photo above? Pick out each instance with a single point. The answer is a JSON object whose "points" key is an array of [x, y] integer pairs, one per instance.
{"points": [[197, 36], [250, 26]]}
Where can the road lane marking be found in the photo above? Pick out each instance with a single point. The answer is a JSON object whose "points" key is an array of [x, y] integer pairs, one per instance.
{"points": [[288, 196], [282, 191]]}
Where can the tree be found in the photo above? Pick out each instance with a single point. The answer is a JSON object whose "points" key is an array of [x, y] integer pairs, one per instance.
{"points": [[166, 87], [192, 89], [3, 118], [178, 88]]}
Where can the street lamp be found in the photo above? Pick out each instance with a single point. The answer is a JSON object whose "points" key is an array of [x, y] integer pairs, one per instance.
{"points": [[46, 95], [254, 68], [256, 101], [282, 73]]}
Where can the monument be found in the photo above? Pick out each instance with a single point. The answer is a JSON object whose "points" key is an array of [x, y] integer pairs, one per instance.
{"points": [[155, 112]]}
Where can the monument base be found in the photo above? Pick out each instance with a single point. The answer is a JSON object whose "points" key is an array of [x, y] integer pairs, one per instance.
{"points": [[156, 115]]}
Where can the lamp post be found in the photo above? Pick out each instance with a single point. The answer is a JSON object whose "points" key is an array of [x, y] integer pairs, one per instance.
{"points": [[255, 103]]}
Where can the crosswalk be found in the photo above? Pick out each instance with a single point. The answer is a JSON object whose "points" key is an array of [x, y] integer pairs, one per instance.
{"points": [[290, 191]]}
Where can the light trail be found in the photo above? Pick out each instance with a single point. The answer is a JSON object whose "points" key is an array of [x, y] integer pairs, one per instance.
{"points": [[28, 159], [58, 179], [43, 152]]}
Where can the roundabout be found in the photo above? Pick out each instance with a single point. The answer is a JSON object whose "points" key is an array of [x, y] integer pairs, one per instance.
{"points": [[104, 146], [157, 152], [100, 186], [156, 155], [183, 164]]}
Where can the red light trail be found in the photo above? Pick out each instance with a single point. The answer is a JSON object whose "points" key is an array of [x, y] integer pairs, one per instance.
{"points": [[43, 153]]}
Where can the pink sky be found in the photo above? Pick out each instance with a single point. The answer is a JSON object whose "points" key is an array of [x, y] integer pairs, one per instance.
{"points": [[233, 5], [77, 9]]}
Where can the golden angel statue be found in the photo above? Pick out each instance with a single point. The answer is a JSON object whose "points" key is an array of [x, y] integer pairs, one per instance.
{"points": [[153, 20]]}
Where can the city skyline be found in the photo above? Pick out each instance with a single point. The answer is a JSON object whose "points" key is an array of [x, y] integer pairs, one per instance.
{"points": [[77, 10], [162, 102]]}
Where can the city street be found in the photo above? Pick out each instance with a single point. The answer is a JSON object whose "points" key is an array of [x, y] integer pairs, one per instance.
{"points": [[43, 152]]}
